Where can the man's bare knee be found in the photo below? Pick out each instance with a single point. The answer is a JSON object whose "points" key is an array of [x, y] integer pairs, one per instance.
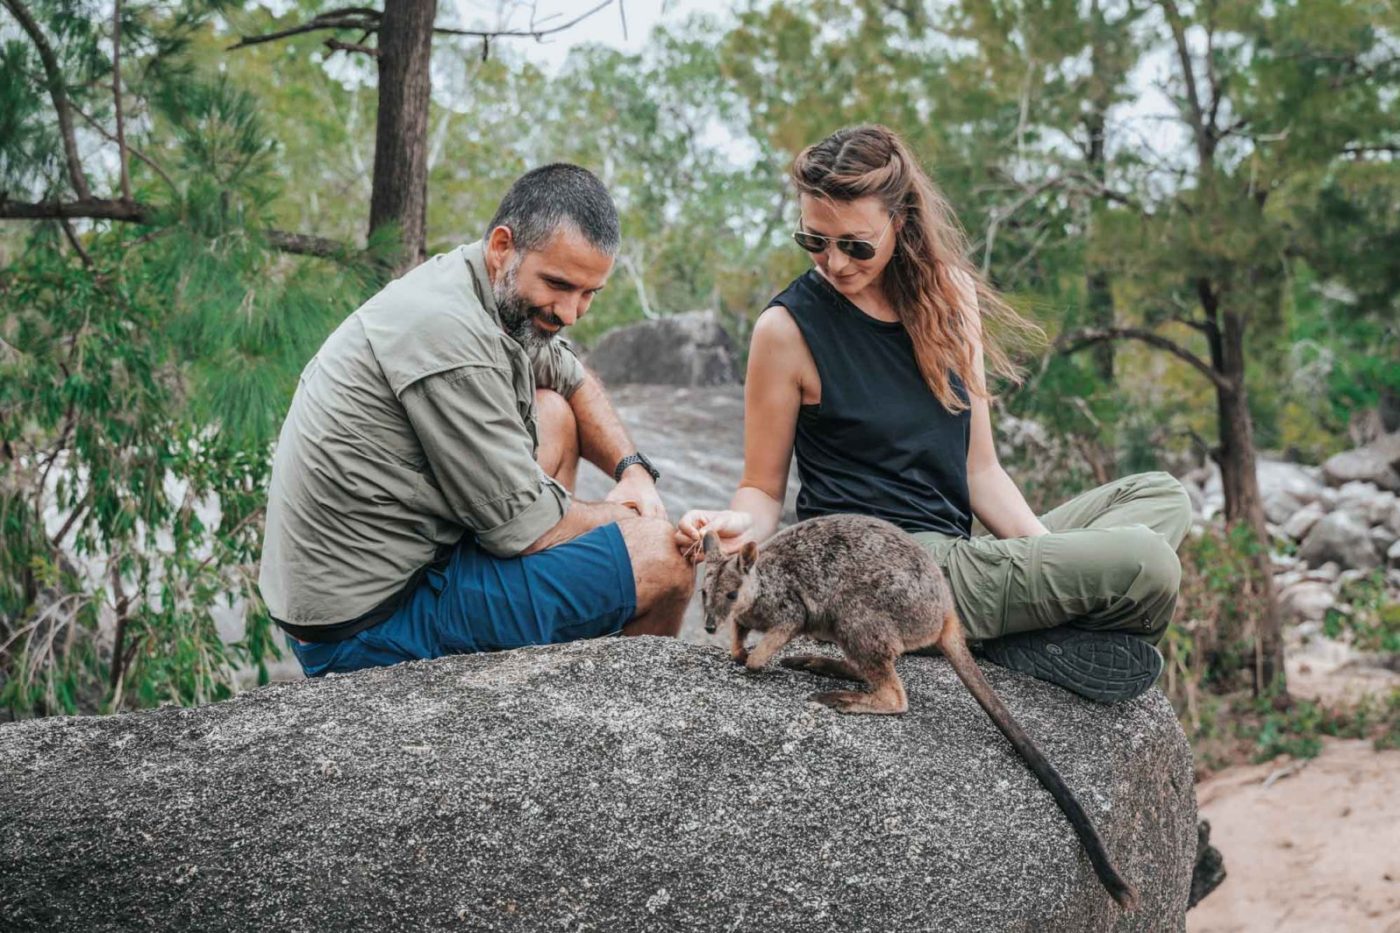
{"points": [[551, 406], [557, 434], [660, 570]]}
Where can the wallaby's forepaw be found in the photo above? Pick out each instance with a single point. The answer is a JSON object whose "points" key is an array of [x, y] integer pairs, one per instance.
{"points": [[754, 663], [820, 664], [741, 656], [850, 702]]}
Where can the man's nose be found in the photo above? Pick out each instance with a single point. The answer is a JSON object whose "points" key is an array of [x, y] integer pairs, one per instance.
{"points": [[567, 309]]}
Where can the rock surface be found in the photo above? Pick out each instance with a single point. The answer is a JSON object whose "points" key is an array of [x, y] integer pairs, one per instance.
{"points": [[1339, 537], [1377, 462], [619, 784], [688, 349]]}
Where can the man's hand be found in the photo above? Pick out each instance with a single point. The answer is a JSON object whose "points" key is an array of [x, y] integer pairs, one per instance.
{"points": [[733, 529], [637, 490]]}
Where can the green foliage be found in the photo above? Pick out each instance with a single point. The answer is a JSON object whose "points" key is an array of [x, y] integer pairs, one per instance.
{"points": [[142, 386], [1210, 650], [1238, 727], [138, 397], [1212, 647], [1365, 615], [144, 370]]}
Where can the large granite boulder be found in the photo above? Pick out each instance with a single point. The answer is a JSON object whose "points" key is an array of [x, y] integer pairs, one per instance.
{"points": [[619, 784], [1377, 462], [1340, 537], [689, 349]]}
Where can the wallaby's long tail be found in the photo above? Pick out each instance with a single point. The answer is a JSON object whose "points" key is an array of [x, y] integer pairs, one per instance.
{"points": [[954, 647]]}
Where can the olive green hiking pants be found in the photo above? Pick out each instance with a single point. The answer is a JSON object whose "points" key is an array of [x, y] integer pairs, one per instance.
{"points": [[1109, 563]]}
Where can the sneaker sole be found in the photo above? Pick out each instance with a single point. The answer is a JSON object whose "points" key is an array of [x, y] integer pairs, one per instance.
{"points": [[1106, 667]]}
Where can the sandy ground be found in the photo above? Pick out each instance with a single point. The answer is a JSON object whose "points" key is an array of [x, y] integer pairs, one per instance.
{"points": [[1317, 848]]}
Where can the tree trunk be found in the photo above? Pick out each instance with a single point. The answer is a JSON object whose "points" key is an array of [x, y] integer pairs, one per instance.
{"points": [[1097, 291], [1240, 481], [400, 192]]}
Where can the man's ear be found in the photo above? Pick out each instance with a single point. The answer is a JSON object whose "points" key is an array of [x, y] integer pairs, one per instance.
{"points": [[747, 556], [499, 245]]}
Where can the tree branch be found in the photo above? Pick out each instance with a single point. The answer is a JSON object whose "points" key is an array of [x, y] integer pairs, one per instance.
{"points": [[531, 33], [130, 149], [54, 78], [360, 18], [1077, 340], [90, 208], [335, 45], [117, 96], [305, 244], [73, 242], [135, 212], [367, 19], [1193, 97]]}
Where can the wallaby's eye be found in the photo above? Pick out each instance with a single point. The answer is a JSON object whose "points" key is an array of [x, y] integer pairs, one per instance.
{"points": [[732, 595]]}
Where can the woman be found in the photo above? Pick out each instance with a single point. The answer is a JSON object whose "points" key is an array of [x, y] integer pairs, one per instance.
{"points": [[871, 368]]}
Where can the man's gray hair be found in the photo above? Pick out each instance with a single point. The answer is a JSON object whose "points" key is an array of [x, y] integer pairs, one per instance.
{"points": [[544, 198]]}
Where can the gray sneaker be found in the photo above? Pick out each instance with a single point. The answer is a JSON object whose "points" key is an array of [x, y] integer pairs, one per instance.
{"points": [[1106, 667]]}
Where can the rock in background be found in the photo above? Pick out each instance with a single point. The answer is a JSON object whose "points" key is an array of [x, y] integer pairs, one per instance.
{"points": [[616, 784], [689, 349]]}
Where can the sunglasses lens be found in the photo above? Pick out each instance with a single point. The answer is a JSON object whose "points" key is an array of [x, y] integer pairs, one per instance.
{"points": [[810, 242], [856, 249]]}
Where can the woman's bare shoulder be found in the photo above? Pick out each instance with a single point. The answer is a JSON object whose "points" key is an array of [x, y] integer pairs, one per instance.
{"points": [[778, 351], [776, 332]]}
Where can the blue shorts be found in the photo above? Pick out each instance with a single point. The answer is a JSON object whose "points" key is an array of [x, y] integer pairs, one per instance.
{"points": [[479, 602]]}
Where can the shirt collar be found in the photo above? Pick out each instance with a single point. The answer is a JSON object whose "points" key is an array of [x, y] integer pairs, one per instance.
{"points": [[475, 256]]}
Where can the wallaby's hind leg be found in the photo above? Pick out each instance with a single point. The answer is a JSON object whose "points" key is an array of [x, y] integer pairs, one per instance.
{"points": [[821, 665], [886, 696]]}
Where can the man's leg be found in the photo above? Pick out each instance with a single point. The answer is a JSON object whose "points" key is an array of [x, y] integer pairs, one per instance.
{"points": [[557, 431], [664, 579]]}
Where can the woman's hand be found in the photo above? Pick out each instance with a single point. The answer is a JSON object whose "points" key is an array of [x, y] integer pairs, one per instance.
{"points": [[732, 528]]}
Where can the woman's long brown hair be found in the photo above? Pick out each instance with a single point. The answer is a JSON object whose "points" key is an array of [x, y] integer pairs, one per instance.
{"points": [[930, 257]]}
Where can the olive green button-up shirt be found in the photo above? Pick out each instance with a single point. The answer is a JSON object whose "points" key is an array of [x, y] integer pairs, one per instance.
{"points": [[413, 425]]}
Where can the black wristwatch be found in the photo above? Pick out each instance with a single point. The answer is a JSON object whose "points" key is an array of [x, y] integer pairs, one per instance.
{"points": [[632, 459]]}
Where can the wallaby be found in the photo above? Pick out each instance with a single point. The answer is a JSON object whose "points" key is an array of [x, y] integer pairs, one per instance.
{"points": [[865, 586]]}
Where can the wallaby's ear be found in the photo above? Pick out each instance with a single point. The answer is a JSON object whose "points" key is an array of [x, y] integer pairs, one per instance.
{"points": [[747, 556], [711, 545]]}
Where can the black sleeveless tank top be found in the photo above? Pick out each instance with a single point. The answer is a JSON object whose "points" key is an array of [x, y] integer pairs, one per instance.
{"points": [[879, 443]]}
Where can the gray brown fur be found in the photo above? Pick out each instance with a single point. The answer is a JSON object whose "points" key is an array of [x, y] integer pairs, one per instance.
{"points": [[864, 585]]}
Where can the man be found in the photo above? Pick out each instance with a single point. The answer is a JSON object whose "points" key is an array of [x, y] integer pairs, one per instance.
{"points": [[420, 502]]}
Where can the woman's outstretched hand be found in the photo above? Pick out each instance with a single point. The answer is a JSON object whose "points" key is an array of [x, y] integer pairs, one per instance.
{"points": [[732, 528]]}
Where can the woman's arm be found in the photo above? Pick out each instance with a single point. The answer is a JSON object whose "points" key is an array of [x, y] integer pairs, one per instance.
{"points": [[994, 498], [772, 398]]}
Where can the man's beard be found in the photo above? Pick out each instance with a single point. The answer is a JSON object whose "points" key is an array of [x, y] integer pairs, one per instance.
{"points": [[517, 314]]}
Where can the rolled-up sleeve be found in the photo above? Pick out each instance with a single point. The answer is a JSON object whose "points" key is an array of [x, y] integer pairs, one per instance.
{"points": [[557, 366], [482, 457]]}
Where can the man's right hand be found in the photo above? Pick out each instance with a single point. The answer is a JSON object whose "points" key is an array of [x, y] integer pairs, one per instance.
{"points": [[733, 529]]}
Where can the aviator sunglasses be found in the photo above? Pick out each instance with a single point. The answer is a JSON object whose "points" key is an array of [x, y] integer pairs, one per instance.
{"points": [[856, 249]]}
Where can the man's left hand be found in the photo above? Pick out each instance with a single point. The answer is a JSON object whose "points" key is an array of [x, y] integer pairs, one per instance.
{"points": [[637, 489]]}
